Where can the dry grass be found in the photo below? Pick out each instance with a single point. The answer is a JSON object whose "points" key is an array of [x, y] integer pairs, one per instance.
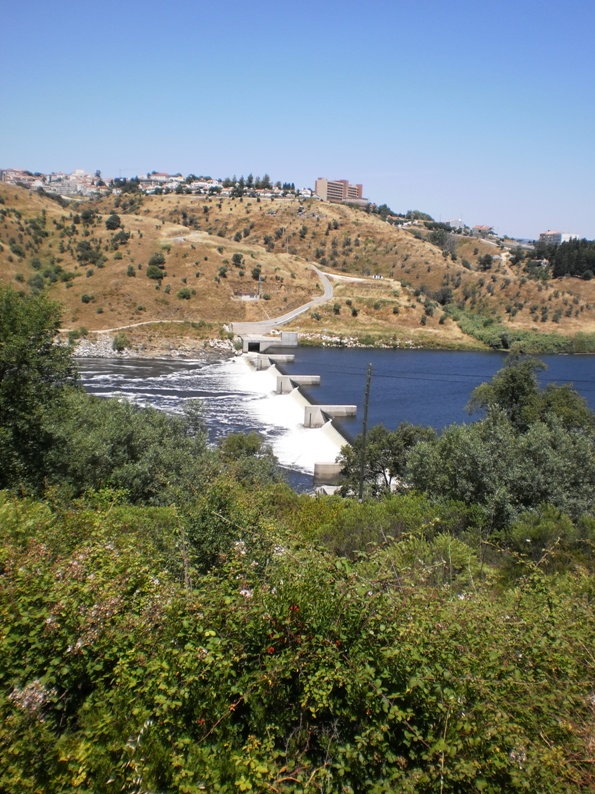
{"points": [[199, 238]]}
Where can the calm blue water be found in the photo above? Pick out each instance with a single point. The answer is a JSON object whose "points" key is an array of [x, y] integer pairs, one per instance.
{"points": [[418, 386], [423, 387]]}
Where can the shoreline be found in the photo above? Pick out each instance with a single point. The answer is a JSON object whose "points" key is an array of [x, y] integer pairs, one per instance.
{"points": [[174, 350], [100, 345]]}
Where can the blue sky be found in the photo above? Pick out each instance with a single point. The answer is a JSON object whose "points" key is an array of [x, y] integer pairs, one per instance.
{"points": [[482, 110]]}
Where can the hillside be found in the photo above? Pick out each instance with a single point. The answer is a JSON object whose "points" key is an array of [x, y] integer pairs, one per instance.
{"points": [[211, 261]]}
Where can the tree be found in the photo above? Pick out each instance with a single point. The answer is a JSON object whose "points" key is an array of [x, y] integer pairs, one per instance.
{"points": [[103, 443], [127, 185], [35, 372], [387, 453], [113, 222], [417, 215], [506, 471], [514, 390], [485, 262], [155, 272], [443, 238], [565, 405], [120, 342], [88, 216], [250, 459], [533, 448], [157, 259]]}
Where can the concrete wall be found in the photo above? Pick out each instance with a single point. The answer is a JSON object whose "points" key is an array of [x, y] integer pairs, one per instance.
{"points": [[287, 383], [260, 344], [263, 361], [319, 415], [326, 472]]}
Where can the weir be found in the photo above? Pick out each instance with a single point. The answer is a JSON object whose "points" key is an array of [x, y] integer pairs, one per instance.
{"points": [[287, 383], [319, 415], [265, 361], [320, 434]]}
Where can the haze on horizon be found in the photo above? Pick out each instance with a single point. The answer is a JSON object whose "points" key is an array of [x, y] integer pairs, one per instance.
{"points": [[479, 111]]}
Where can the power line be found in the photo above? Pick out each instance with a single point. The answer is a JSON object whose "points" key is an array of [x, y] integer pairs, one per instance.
{"points": [[364, 433], [446, 377]]}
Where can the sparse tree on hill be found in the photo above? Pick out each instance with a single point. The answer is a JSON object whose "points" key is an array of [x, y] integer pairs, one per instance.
{"points": [[113, 222]]}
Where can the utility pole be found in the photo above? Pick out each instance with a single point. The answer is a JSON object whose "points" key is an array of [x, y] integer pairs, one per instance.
{"points": [[364, 434]]}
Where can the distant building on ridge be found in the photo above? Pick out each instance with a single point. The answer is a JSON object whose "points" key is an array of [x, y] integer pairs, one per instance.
{"points": [[556, 237], [339, 190], [483, 230]]}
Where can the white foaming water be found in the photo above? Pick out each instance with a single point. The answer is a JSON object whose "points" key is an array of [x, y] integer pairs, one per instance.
{"points": [[295, 446], [236, 396]]}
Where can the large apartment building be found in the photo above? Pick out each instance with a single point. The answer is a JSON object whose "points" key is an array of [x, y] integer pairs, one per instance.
{"points": [[338, 190], [556, 237]]}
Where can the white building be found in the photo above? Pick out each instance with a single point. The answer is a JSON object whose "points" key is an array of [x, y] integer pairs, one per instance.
{"points": [[556, 237]]}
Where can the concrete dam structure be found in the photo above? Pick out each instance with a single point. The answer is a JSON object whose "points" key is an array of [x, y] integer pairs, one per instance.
{"points": [[287, 383], [319, 415], [317, 418], [253, 343]]}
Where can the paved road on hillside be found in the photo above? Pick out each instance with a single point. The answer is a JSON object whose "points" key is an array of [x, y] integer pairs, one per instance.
{"points": [[263, 327]]}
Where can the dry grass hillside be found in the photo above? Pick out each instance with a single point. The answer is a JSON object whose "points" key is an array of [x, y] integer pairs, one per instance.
{"points": [[210, 261]]}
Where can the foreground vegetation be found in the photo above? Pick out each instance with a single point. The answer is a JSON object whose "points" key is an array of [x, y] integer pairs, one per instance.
{"points": [[175, 618]]}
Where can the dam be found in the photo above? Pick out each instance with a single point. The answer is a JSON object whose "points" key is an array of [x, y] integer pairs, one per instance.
{"points": [[313, 418]]}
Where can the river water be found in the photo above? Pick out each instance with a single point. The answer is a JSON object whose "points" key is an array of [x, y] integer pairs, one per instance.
{"points": [[418, 386]]}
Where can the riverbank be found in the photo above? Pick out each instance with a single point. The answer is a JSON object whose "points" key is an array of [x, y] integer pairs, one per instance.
{"points": [[107, 346], [527, 343], [209, 343], [386, 342]]}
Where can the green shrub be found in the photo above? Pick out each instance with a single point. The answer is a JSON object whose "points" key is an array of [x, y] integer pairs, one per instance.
{"points": [[113, 222], [155, 272], [157, 260], [121, 342]]}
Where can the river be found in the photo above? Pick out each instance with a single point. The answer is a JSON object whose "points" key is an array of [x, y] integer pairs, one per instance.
{"points": [[417, 386]]}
